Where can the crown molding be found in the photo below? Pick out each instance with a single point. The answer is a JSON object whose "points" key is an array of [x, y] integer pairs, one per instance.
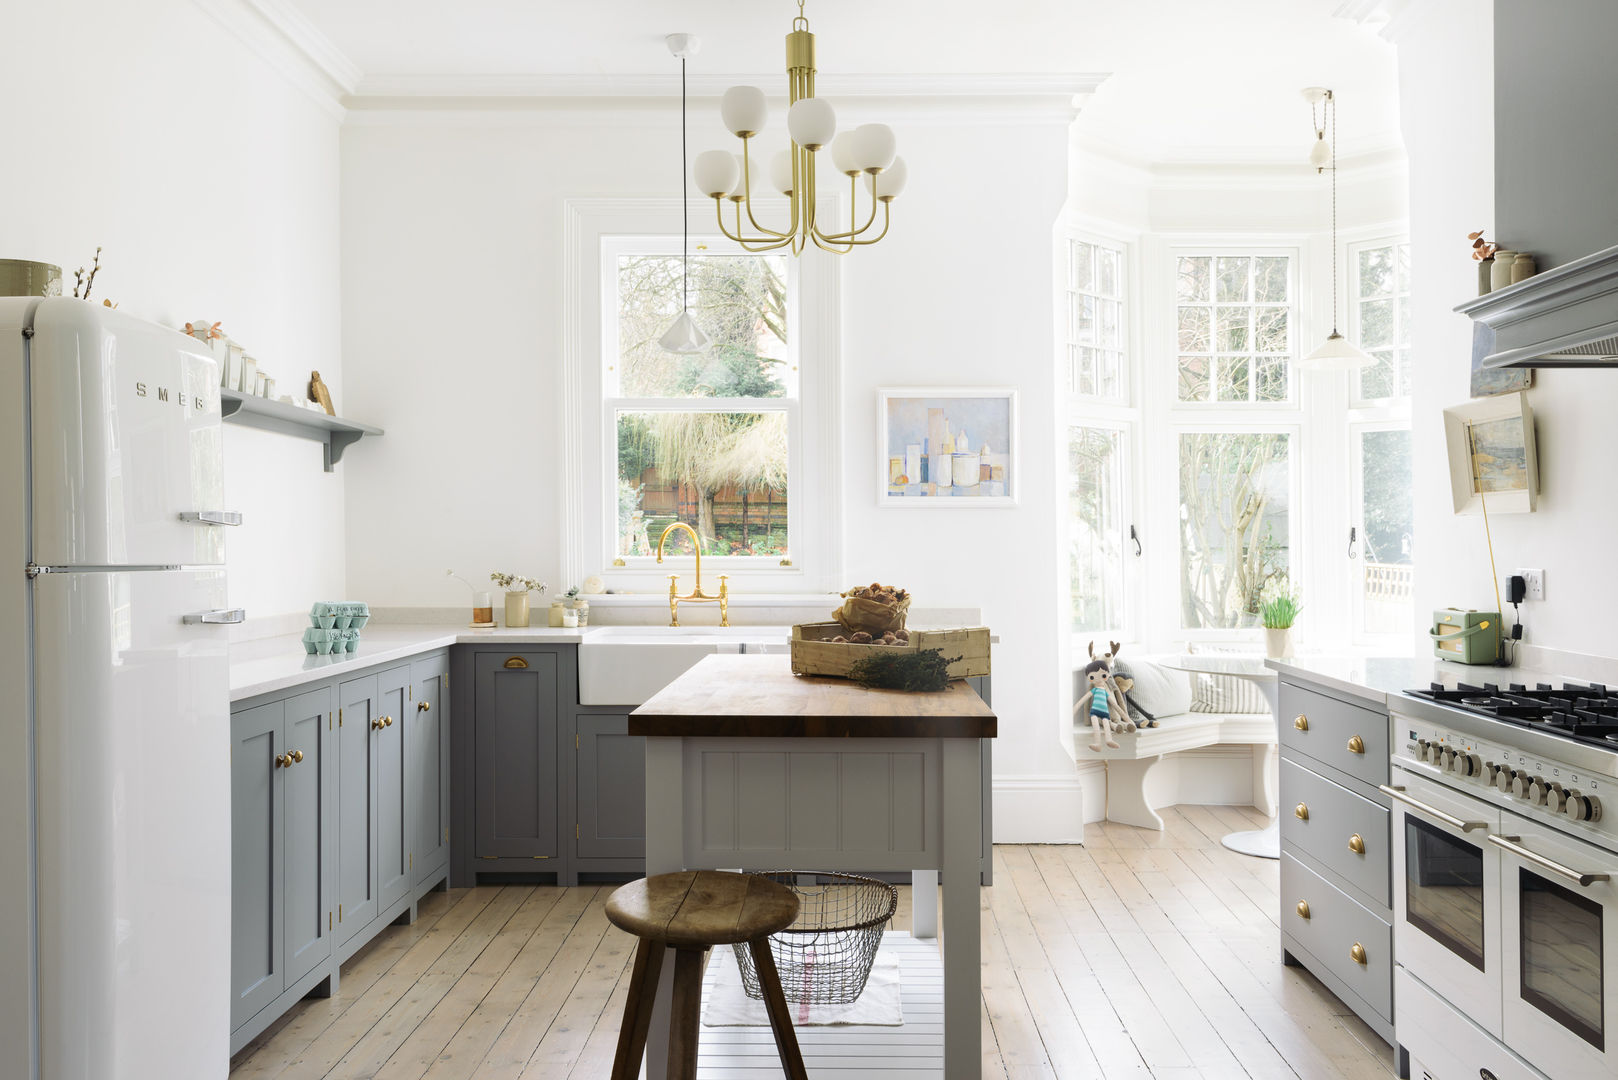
{"points": [[286, 41], [452, 88]]}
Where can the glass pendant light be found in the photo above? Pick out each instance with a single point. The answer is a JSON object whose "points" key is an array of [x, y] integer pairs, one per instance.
{"points": [[684, 336], [1336, 353]]}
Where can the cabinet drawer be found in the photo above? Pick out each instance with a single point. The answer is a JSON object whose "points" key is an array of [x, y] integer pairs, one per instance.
{"points": [[1335, 923], [1335, 817], [1335, 733]]}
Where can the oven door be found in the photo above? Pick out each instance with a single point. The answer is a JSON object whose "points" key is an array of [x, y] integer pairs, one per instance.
{"points": [[1560, 936], [1446, 889]]}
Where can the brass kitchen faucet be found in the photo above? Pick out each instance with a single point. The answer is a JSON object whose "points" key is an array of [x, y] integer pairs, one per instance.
{"points": [[697, 596]]}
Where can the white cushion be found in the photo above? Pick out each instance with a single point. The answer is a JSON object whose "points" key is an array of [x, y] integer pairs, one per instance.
{"points": [[1159, 690], [1226, 693]]}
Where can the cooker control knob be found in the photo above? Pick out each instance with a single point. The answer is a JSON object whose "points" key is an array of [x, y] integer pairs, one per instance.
{"points": [[1581, 807], [1491, 771], [1555, 798], [1471, 765], [1421, 749], [1538, 791], [1502, 778], [1522, 786], [1447, 758]]}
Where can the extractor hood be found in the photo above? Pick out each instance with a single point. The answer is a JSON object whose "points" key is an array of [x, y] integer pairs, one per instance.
{"points": [[1566, 317]]}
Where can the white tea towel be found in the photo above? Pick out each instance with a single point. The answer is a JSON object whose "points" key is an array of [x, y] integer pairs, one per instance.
{"points": [[726, 1004]]}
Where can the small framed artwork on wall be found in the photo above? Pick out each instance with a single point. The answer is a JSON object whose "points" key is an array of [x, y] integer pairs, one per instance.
{"points": [[1493, 462], [947, 447]]}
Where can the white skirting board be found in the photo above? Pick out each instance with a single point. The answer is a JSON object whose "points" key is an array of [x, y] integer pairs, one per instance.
{"points": [[1046, 809], [915, 1049]]}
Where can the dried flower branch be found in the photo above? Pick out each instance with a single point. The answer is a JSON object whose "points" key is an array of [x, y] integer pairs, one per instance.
{"points": [[517, 583], [1481, 248], [78, 277]]}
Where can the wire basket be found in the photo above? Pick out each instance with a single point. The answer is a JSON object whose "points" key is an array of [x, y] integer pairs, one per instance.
{"points": [[825, 956]]}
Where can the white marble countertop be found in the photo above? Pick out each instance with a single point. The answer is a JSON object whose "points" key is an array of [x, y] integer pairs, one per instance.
{"points": [[1375, 679], [277, 663]]}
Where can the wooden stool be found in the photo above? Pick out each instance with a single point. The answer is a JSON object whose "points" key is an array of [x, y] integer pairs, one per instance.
{"points": [[691, 912]]}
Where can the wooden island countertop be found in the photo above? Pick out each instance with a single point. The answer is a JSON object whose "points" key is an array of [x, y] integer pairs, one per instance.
{"points": [[745, 696]]}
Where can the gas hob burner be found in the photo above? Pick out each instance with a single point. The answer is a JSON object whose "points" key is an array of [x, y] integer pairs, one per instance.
{"points": [[1586, 713]]}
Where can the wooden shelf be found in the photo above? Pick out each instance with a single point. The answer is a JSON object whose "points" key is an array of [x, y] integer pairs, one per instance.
{"points": [[332, 432]]}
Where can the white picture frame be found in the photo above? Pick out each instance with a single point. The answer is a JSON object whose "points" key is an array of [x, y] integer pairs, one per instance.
{"points": [[912, 419], [1493, 463]]}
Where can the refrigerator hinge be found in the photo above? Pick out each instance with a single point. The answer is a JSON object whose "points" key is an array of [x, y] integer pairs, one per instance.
{"points": [[28, 331], [33, 570]]}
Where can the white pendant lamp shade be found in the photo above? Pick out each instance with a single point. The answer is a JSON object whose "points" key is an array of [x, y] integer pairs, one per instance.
{"points": [[685, 336], [716, 172], [1320, 153], [842, 154], [781, 171], [812, 122], [743, 110], [873, 147], [1337, 353], [890, 182]]}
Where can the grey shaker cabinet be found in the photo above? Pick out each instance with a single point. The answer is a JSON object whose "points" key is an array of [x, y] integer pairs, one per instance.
{"points": [[516, 717], [611, 779], [281, 868], [358, 722], [428, 808], [393, 840]]}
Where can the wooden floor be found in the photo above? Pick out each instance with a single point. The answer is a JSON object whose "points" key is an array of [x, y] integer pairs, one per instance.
{"points": [[1139, 954]]}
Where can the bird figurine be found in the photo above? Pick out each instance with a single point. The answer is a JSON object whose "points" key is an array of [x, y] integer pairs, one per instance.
{"points": [[319, 392]]}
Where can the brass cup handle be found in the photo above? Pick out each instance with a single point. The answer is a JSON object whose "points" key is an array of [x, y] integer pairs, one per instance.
{"points": [[1356, 745], [1356, 953], [423, 706], [1301, 811], [1356, 844], [296, 756], [1301, 722], [1303, 909]]}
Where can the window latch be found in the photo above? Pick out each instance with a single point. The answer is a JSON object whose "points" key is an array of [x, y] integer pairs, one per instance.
{"points": [[1135, 537], [1353, 541]]}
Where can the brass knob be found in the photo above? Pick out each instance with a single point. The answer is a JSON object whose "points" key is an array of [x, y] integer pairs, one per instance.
{"points": [[1303, 909], [377, 724], [423, 706], [1301, 722], [283, 761], [297, 755], [387, 721], [1302, 811], [1356, 745], [1357, 953], [1356, 844]]}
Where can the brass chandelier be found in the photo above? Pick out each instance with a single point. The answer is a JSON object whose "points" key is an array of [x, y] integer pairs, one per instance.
{"points": [[866, 151]]}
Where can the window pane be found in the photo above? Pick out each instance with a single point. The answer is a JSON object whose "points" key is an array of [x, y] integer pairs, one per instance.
{"points": [[1271, 376], [1377, 381], [1083, 265], [1193, 279], [1270, 280], [1234, 524], [1232, 334], [1376, 272], [724, 474], [1387, 519], [1376, 324], [1107, 317], [1194, 329], [1270, 330], [1194, 378], [1381, 311], [1233, 372], [740, 301], [1112, 374], [1233, 279], [1087, 320], [1095, 530], [1106, 271], [1087, 371]]}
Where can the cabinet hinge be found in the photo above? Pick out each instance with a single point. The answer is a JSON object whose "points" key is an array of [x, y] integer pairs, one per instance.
{"points": [[578, 834], [339, 717], [446, 834], [575, 742], [339, 913], [410, 692], [488, 856], [328, 920], [412, 864]]}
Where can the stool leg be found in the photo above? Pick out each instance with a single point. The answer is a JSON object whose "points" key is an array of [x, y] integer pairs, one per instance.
{"points": [[775, 1002], [638, 1010], [685, 1013]]}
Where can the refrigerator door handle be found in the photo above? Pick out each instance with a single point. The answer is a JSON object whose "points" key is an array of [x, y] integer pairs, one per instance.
{"points": [[212, 517], [223, 615]]}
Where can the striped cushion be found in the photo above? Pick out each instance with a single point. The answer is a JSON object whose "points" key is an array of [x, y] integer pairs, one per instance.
{"points": [[1225, 693]]}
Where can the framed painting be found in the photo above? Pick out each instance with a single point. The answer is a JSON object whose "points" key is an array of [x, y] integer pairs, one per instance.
{"points": [[1493, 463], [947, 446]]}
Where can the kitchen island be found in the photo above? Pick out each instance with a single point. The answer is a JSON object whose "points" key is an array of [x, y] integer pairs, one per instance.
{"points": [[749, 766]]}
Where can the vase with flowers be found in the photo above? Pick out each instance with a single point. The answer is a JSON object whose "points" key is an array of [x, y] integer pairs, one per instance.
{"points": [[1483, 252], [1278, 607], [517, 590]]}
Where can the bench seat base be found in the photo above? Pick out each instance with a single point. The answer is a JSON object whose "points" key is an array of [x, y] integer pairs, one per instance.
{"points": [[1129, 768]]}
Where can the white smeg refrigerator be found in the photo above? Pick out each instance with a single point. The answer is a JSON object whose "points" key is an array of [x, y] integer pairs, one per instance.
{"points": [[114, 700]]}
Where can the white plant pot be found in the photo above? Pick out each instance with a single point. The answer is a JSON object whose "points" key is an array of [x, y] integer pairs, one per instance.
{"points": [[1278, 643]]}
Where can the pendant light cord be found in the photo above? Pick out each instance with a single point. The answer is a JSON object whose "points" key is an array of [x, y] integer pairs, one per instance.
{"points": [[685, 203], [1331, 107]]}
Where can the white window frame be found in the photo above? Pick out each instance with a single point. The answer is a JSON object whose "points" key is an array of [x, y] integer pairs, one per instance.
{"points": [[1294, 254], [1360, 635], [595, 232], [1352, 298]]}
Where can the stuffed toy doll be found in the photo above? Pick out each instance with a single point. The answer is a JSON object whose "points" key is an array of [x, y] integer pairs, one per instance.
{"points": [[1098, 704], [1124, 680]]}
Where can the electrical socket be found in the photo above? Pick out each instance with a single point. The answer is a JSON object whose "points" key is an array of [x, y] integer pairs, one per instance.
{"points": [[1535, 580]]}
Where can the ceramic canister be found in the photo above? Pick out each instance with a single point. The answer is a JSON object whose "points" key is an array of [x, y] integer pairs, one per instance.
{"points": [[965, 470], [1500, 272], [20, 277]]}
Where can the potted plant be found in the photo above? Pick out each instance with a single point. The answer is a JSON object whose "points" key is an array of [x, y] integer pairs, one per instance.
{"points": [[1278, 606], [517, 590]]}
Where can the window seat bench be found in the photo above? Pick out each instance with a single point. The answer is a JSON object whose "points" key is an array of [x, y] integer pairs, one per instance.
{"points": [[1130, 793]]}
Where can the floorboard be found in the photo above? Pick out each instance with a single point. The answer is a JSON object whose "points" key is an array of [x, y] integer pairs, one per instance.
{"points": [[1139, 954]]}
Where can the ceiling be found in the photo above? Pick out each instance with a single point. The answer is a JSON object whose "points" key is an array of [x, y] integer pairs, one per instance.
{"points": [[1192, 80]]}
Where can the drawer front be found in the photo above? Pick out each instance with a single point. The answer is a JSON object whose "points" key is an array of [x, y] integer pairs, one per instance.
{"points": [[1335, 733], [1334, 924], [1335, 818]]}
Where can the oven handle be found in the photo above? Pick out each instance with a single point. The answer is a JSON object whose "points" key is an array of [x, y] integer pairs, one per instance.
{"points": [[1510, 843], [1398, 792]]}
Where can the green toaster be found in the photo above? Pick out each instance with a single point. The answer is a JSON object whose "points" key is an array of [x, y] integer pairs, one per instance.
{"points": [[1466, 637]]}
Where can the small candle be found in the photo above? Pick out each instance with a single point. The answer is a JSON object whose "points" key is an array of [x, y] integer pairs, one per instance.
{"points": [[570, 617], [483, 608]]}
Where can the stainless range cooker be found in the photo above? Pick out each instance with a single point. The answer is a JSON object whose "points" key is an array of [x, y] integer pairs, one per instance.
{"points": [[1505, 904]]}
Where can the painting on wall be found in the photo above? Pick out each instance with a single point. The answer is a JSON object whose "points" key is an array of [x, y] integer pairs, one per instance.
{"points": [[1487, 382], [1493, 463], [947, 447]]}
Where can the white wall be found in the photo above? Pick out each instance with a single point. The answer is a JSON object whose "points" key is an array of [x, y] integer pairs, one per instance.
{"points": [[210, 179], [452, 283]]}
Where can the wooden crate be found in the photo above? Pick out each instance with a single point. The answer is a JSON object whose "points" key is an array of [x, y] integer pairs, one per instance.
{"points": [[814, 653]]}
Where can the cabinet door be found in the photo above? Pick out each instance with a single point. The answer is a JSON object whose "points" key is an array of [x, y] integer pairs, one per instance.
{"points": [[429, 746], [516, 721], [611, 789], [305, 794], [256, 974], [357, 716], [392, 838]]}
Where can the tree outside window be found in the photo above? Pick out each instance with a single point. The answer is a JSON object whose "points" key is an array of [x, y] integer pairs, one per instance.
{"points": [[1382, 319], [1234, 328], [1095, 528], [1235, 529]]}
